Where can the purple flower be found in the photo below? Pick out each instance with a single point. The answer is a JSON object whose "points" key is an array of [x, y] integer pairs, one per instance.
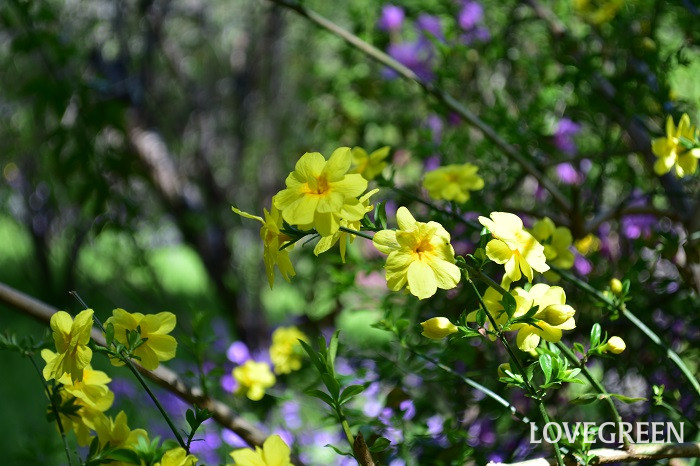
{"points": [[429, 24], [481, 433], [122, 388], [435, 425], [431, 163], [228, 383], [564, 136], [392, 18], [205, 447], [638, 225], [233, 439], [372, 408], [415, 56], [582, 265], [397, 462], [238, 353], [434, 123], [385, 416], [285, 435], [568, 174], [470, 15], [408, 409], [291, 415], [478, 34]]}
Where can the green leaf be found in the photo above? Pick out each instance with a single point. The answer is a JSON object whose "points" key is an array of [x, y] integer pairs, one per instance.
{"points": [[338, 450], [380, 444], [190, 417], [595, 335], [584, 399], [546, 365], [508, 303], [323, 396], [627, 399], [314, 356], [332, 351], [480, 317], [578, 347], [380, 215], [109, 334], [350, 392], [332, 385], [124, 455]]}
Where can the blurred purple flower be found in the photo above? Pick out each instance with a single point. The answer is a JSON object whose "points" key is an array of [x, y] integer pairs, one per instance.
{"points": [[285, 435], [370, 280], [372, 408], [221, 334], [638, 225], [568, 174], [392, 18], [408, 409], [582, 265], [470, 15], [385, 416], [238, 352], [478, 34], [564, 136], [429, 24], [343, 367], [233, 439], [415, 56], [291, 414], [435, 425], [228, 383], [122, 388], [205, 447], [481, 433], [397, 462], [431, 163]]}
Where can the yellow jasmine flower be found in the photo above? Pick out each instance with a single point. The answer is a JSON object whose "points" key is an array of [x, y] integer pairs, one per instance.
{"points": [[598, 11], [553, 313], [71, 338], [90, 394], [285, 352], [273, 239], [616, 286], [671, 151], [438, 328], [513, 246], [253, 378], [349, 220], [369, 166], [556, 242], [177, 457], [318, 190], [159, 346], [116, 431], [588, 244], [274, 452], [420, 256], [615, 345], [453, 182]]}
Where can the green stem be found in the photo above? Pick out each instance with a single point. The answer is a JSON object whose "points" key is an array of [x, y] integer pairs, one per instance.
{"points": [[346, 430], [511, 151], [596, 384], [355, 232], [501, 336], [54, 409], [123, 357], [672, 355]]}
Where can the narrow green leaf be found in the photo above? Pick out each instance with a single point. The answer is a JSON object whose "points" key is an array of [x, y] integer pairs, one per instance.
{"points": [[546, 365], [627, 399], [595, 335], [350, 392], [380, 444], [323, 396]]}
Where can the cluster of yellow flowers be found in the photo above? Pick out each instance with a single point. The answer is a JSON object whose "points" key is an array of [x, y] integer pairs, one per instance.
{"points": [[453, 182], [88, 388], [678, 150], [286, 355]]}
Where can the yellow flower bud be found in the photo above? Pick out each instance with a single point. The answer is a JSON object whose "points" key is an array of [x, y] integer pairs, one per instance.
{"points": [[502, 368], [616, 286], [615, 345], [438, 328]]}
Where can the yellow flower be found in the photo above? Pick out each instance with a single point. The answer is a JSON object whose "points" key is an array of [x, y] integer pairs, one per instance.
{"points": [[369, 166], [177, 457], [553, 313], [318, 190], [159, 346], [513, 246], [598, 11], [438, 328], [92, 397], [116, 431], [615, 345], [349, 220], [273, 239], [453, 182], [274, 452], [588, 244], [285, 352], [616, 286], [71, 338], [420, 256], [671, 151], [253, 378], [557, 244]]}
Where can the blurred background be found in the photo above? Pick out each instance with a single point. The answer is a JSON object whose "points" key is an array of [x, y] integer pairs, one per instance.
{"points": [[129, 128]]}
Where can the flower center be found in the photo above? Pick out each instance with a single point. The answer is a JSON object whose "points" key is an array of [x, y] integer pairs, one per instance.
{"points": [[423, 247]]}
